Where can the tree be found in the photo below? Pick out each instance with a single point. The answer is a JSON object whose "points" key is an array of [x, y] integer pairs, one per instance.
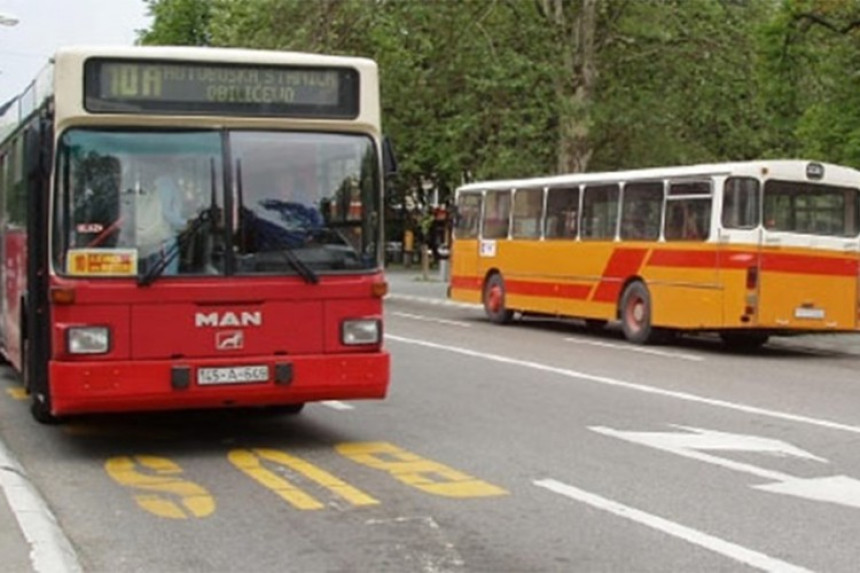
{"points": [[177, 23]]}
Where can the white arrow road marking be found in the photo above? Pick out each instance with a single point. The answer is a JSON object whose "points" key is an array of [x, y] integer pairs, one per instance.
{"points": [[700, 439], [841, 490], [715, 544]]}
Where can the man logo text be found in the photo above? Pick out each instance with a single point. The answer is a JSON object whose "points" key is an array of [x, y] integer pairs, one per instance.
{"points": [[222, 319]]}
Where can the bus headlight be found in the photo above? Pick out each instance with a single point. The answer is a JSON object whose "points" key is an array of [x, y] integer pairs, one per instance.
{"points": [[87, 340], [360, 331]]}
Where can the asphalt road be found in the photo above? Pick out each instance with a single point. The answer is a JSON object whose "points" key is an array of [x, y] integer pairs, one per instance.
{"points": [[532, 447]]}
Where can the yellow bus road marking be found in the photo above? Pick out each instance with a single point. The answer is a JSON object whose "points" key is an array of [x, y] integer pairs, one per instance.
{"points": [[167, 493], [411, 469], [17, 393], [250, 462], [629, 348]]}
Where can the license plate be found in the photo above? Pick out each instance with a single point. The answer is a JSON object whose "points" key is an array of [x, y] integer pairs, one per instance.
{"points": [[232, 375], [811, 313]]}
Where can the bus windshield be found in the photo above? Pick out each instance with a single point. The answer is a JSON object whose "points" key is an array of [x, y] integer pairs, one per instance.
{"points": [[133, 203]]}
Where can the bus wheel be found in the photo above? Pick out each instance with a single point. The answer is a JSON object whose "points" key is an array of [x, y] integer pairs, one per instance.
{"points": [[744, 341], [40, 408], [636, 314], [494, 300]]}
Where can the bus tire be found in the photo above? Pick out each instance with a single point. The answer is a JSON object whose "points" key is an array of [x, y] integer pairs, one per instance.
{"points": [[40, 402], [40, 409], [635, 313], [743, 341], [494, 300]]}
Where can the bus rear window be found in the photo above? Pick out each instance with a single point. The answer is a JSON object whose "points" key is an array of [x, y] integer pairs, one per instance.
{"points": [[809, 208]]}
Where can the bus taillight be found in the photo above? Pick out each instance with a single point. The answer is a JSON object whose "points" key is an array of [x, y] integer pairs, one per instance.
{"points": [[752, 278]]}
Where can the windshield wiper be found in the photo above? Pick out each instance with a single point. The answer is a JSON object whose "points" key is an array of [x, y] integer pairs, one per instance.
{"points": [[207, 216], [162, 263], [281, 247]]}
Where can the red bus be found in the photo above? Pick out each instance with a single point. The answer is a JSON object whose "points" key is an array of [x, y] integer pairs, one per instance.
{"points": [[193, 228]]}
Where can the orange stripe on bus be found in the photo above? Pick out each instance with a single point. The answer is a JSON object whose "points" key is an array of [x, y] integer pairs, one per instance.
{"points": [[806, 265], [622, 264], [682, 258], [557, 290], [773, 262], [466, 283]]}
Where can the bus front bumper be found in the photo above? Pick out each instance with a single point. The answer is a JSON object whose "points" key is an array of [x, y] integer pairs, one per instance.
{"points": [[79, 387]]}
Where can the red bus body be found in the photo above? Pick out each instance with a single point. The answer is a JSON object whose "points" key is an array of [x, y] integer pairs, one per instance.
{"points": [[156, 341], [236, 336]]}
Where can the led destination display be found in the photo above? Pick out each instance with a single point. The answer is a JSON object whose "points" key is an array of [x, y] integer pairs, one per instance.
{"points": [[147, 86]]}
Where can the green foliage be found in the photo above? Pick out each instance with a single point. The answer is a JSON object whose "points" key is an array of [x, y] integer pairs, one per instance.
{"points": [[478, 89], [177, 23]]}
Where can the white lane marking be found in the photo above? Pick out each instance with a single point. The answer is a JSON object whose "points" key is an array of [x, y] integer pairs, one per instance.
{"points": [[726, 548], [337, 405], [433, 319], [50, 549], [632, 386], [629, 348], [433, 301]]}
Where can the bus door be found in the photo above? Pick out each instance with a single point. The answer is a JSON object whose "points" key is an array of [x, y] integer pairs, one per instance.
{"points": [[739, 239], [465, 275]]}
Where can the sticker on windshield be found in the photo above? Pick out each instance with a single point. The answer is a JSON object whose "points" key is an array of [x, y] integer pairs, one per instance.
{"points": [[102, 262]]}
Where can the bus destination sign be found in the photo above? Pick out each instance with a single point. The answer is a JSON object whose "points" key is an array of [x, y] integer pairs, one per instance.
{"points": [[158, 87]]}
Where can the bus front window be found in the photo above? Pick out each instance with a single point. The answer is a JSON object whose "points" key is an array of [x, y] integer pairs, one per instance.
{"points": [[305, 200], [130, 203]]}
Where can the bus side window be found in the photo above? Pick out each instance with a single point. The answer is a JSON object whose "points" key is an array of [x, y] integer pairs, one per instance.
{"points": [[688, 220], [562, 213], [741, 205], [497, 213], [600, 211], [527, 211], [468, 215], [640, 219]]}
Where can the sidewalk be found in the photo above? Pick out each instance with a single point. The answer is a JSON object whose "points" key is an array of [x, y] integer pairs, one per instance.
{"points": [[14, 547], [411, 282]]}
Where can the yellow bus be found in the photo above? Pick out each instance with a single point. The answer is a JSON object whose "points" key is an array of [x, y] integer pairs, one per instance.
{"points": [[747, 250]]}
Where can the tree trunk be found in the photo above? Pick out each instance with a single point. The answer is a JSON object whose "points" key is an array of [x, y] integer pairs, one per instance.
{"points": [[575, 22]]}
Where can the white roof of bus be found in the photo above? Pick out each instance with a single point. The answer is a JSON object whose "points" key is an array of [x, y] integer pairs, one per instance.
{"points": [[67, 61], [204, 53], [793, 169]]}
